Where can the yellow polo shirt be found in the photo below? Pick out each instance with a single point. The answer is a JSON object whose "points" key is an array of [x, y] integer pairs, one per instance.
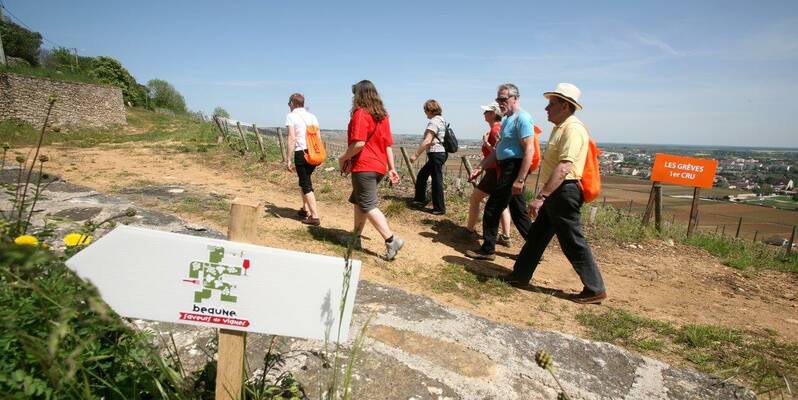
{"points": [[568, 142]]}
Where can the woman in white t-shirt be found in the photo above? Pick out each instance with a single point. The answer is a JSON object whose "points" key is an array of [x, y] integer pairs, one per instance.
{"points": [[296, 123], [436, 159]]}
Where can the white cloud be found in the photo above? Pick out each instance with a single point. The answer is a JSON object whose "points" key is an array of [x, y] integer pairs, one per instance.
{"points": [[652, 41]]}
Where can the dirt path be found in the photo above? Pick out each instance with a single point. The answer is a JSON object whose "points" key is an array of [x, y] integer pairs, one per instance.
{"points": [[675, 283]]}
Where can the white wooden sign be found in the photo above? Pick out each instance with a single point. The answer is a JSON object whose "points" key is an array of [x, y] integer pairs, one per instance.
{"points": [[162, 276]]}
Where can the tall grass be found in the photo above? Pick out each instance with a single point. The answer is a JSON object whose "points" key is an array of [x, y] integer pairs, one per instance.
{"points": [[621, 227]]}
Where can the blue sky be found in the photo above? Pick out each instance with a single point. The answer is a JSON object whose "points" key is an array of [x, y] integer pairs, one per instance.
{"points": [[703, 72]]}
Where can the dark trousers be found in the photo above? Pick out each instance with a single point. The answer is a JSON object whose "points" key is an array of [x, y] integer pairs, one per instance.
{"points": [[435, 164], [560, 216], [501, 198]]}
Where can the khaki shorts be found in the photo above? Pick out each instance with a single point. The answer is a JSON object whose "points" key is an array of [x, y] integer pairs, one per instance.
{"points": [[364, 190]]}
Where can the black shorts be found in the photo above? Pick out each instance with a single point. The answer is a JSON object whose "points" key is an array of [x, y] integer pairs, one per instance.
{"points": [[489, 180], [303, 171]]}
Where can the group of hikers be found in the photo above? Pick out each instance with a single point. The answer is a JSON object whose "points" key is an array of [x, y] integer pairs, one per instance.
{"points": [[509, 150]]}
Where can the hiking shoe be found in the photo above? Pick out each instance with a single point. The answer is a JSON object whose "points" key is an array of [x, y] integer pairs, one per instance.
{"points": [[392, 247], [418, 205], [504, 240], [311, 221], [587, 298], [479, 255], [438, 212]]}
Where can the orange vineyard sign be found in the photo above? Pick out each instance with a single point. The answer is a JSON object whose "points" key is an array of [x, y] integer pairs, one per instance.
{"points": [[684, 171]]}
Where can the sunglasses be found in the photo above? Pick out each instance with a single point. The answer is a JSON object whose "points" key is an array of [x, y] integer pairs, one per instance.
{"points": [[503, 99]]}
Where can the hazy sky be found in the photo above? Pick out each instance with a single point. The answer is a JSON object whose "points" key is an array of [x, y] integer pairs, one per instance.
{"points": [[697, 72]]}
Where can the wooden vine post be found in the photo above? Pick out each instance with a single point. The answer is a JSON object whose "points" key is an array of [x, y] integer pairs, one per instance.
{"points": [[260, 140], [409, 164], [241, 134]]}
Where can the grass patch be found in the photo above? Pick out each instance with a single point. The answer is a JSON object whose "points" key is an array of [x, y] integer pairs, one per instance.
{"points": [[743, 255], [613, 224], [394, 208], [147, 125], [452, 278], [56, 74], [761, 360], [618, 226]]}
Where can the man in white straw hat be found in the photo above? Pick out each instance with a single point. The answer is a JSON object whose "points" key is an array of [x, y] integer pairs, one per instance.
{"points": [[556, 207]]}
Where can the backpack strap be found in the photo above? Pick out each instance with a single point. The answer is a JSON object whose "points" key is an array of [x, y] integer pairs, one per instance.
{"points": [[445, 126]]}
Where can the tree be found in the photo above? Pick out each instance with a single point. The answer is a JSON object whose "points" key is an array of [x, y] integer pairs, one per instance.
{"points": [[164, 95], [110, 71], [20, 42], [220, 112]]}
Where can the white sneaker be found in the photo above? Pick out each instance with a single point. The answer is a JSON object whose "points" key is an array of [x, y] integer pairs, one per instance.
{"points": [[393, 247]]}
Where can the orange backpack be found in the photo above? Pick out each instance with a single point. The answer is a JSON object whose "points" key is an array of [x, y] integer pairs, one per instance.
{"points": [[536, 158], [591, 175], [315, 154]]}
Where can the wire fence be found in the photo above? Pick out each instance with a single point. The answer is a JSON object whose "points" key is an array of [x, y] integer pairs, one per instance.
{"points": [[745, 221]]}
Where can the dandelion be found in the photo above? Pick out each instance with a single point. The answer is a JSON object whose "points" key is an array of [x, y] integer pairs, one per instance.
{"points": [[43, 158], [20, 159], [77, 239], [27, 240]]}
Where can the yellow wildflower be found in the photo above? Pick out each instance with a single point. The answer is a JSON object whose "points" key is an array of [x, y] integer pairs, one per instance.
{"points": [[76, 239], [28, 240]]}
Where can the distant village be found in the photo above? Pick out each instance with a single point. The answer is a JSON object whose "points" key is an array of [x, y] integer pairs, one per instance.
{"points": [[757, 176], [749, 175]]}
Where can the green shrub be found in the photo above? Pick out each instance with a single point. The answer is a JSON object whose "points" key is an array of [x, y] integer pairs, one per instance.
{"points": [[20, 42], [59, 340]]}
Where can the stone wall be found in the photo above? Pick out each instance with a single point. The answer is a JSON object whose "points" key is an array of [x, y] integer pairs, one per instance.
{"points": [[79, 104]]}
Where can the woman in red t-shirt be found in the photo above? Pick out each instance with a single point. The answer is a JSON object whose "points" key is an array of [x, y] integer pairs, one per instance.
{"points": [[493, 116], [369, 157]]}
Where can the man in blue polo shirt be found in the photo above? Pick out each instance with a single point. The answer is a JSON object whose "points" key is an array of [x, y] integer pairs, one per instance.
{"points": [[514, 154]]}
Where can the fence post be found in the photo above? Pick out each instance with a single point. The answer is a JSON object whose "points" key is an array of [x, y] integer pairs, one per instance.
{"points": [[693, 221], [280, 143], [592, 217], [467, 165], [243, 137], [723, 230], [755, 235], [717, 228], [658, 207], [409, 164], [604, 202], [649, 205], [230, 371], [792, 240], [630, 206], [260, 141], [739, 225], [220, 138]]}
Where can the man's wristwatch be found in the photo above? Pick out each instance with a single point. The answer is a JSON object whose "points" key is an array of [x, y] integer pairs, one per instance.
{"points": [[541, 196]]}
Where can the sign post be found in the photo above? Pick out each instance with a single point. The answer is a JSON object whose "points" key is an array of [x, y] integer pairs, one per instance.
{"points": [[684, 171], [230, 367], [232, 285]]}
